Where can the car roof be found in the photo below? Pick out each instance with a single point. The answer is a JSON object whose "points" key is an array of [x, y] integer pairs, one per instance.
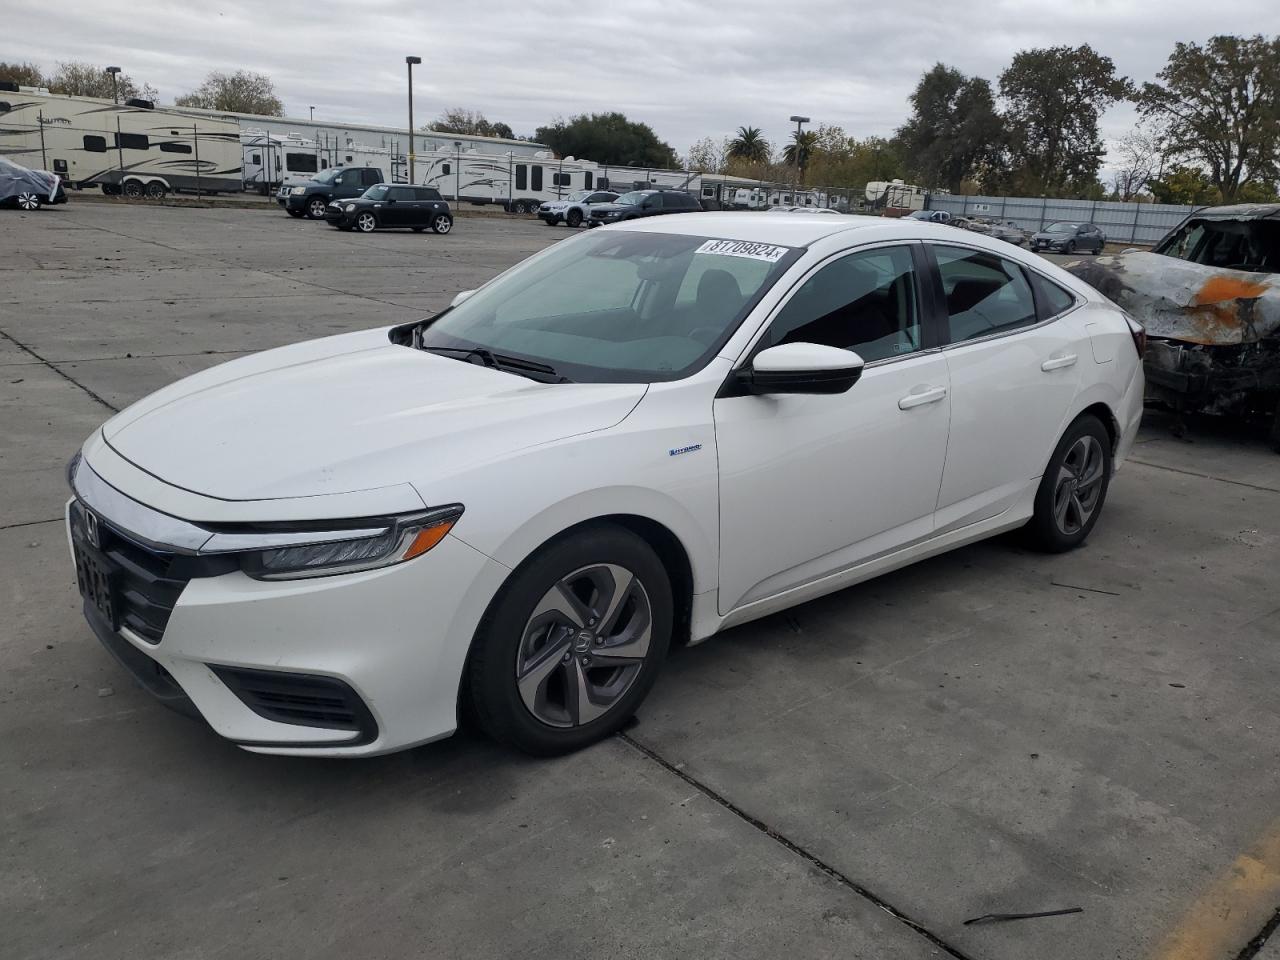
{"points": [[1238, 211], [797, 230]]}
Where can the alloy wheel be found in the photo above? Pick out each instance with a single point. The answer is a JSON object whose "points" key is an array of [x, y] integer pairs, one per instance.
{"points": [[316, 208], [28, 201], [584, 645], [366, 222], [443, 224], [1079, 485]]}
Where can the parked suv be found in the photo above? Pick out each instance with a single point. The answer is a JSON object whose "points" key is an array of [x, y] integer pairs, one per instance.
{"points": [[311, 198], [1068, 236], [644, 203], [575, 208], [392, 205]]}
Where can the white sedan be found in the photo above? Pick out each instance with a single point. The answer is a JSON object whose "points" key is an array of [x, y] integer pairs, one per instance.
{"points": [[638, 437]]}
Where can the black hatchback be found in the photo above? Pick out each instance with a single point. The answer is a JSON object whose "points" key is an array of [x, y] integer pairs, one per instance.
{"points": [[392, 205]]}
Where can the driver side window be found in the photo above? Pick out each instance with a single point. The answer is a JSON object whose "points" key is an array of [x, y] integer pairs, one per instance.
{"points": [[865, 302]]}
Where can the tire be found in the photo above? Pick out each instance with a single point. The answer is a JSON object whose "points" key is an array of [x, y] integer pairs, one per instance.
{"points": [[298, 214], [111, 189], [1070, 247], [316, 207], [132, 189], [28, 201], [155, 190], [574, 220], [1080, 463], [366, 222], [441, 223], [533, 624], [550, 221]]}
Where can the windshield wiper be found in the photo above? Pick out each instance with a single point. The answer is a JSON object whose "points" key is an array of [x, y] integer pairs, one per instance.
{"points": [[500, 361]]}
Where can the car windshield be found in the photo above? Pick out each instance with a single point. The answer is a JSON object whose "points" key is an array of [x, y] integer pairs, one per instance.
{"points": [[328, 176], [579, 195], [615, 307], [635, 196], [1061, 227], [919, 215], [378, 192]]}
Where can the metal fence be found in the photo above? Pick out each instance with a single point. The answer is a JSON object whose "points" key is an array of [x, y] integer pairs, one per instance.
{"points": [[1121, 222]]}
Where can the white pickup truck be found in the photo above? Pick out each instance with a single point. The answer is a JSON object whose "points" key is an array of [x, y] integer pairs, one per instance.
{"points": [[575, 209]]}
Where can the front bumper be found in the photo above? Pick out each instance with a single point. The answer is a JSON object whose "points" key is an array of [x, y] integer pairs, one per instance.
{"points": [[293, 203], [264, 663]]}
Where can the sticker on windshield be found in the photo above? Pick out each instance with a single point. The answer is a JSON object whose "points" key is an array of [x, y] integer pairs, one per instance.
{"points": [[742, 248]]}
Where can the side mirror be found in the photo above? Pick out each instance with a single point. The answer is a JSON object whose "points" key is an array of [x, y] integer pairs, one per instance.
{"points": [[461, 297], [801, 368]]}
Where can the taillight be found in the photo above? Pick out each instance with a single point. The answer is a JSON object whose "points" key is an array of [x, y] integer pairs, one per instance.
{"points": [[1139, 334]]}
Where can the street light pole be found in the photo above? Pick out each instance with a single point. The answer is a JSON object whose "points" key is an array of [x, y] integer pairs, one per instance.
{"points": [[799, 122], [115, 96], [411, 61], [457, 172], [313, 114]]}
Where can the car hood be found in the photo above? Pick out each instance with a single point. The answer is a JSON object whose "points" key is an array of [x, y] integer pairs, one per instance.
{"points": [[349, 413], [610, 207], [1185, 301]]}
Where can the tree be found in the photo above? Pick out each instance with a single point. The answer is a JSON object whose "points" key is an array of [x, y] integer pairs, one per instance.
{"points": [[708, 155], [1221, 102], [239, 92], [750, 145], [23, 74], [1055, 97], [954, 132], [839, 160], [607, 138], [77, 79], [470, 122], [800, 149], [1184, 184], [1141, 154]]}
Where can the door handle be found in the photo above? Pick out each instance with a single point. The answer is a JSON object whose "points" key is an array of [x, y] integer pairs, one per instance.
{"points": [[926, 395], [1058, 362]]}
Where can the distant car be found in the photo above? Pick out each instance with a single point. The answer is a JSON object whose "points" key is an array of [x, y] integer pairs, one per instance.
{"points": [[801, 210], [1068, 236], [574, 209], [644, 203], [1008, 231], [392, 205], [28, 189], [311, 198], [930, 216]]}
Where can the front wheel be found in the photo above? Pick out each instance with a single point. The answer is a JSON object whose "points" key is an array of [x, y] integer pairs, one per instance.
{"points": [[1070, 247], [572, 643], [575, 219], [442, 223], [316, 207], [366, 223], [1073, 489]]}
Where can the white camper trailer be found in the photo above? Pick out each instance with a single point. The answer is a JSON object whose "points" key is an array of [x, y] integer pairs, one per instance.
{"points": [[128, 148], [272, 161], [894, 198]]}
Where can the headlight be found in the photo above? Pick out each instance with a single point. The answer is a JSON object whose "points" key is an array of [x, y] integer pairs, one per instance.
{"points": [[349, 207], [298, 191], [292, 552]]}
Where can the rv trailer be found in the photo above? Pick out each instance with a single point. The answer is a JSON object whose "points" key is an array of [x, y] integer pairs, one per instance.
{"points": [[272, 161], [128, 147]]}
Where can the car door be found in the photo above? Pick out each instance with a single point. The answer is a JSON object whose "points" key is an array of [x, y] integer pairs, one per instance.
{"points": [[812, 484], [399, 209], [1014, 374]]}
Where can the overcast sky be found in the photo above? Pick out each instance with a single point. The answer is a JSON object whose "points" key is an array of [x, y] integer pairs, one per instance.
{"points": [[689, 68]]}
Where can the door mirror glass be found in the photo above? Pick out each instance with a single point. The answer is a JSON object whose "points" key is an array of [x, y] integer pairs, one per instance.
{"points": [[801, 368], [461, 297]]}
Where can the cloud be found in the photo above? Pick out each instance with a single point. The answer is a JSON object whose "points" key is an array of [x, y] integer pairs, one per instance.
{"points": [[689, 69]]}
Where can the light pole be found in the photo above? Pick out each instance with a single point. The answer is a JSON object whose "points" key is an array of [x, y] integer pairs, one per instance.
{"points": [[799, 122], [313, 114], [115, 96], [411, 61]]}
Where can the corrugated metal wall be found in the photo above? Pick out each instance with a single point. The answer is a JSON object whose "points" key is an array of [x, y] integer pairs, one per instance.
{"points": [[1122, 222]]}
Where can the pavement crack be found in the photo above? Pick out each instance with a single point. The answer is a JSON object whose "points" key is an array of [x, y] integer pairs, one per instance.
{"points": [[805, 854], [1254, 946], [28, 523], [1204, 476], [65, 376]]}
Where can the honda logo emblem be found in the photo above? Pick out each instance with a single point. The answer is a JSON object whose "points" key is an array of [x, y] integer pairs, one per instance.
{"points": [[91, 532]]}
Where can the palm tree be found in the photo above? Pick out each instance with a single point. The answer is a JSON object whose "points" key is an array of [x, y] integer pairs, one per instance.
{"points": [[749, 144], [801, 148]]}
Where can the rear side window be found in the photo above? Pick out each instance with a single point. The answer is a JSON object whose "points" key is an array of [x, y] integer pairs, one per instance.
{"points": [[95, 144], [428, 193], [133, 141], [372, 177], [1054, 300], [984, 294]]}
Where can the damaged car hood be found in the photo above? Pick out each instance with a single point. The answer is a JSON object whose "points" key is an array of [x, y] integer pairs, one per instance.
{"points": [[1185, 301]]}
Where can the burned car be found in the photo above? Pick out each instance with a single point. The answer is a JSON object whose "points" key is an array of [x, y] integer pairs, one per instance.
{"points": [[1209, 296], [28, 189]]}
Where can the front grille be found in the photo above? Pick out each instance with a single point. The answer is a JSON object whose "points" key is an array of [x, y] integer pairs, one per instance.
{"points": [[145, 582], [300, 699]]}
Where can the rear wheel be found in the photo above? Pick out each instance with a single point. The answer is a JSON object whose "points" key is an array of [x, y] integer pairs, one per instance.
{"points": [[572, 643], [316, 207], [1073, 489], [442, 223], [575, 218], [132, 188], [366, 222], [155, 190], [29, 201]]}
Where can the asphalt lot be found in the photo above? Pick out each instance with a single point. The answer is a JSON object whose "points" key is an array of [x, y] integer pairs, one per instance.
{"points": [[990, 731]]}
